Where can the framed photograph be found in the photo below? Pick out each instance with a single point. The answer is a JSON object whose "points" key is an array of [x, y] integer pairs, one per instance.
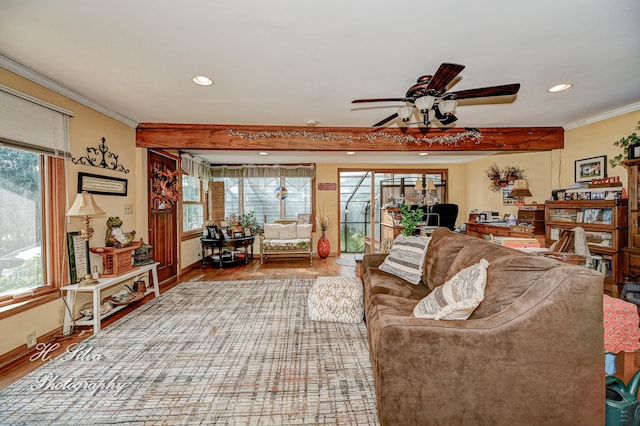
{"points": [[103, 185], [591, 168], [238, 234], [247, 232], [633, 151], [218, 235], [79, 261]]}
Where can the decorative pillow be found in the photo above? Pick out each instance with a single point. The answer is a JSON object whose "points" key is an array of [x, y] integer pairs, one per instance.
{"points": [[304, 230], [271, 231], [288, 231], [457, 298], [406, 258]]}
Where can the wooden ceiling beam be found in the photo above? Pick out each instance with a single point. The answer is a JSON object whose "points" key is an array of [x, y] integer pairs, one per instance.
{"points": [[289, 138]]}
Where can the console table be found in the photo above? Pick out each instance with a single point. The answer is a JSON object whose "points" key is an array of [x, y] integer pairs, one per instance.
{"points": [[234, 244], [95, 290]]}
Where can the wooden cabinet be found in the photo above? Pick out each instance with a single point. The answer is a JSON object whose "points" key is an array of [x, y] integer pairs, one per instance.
{"points": [[390, 223], [605, 224], [532, 217], [631, 258]]}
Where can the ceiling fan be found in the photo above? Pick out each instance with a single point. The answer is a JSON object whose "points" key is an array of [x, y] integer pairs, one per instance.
{"points": [[429, 95]]}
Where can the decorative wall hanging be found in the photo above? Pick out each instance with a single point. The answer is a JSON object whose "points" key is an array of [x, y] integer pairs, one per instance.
{"points": [[165, 186], [281, 193], [451, 140], [104, 185], [499, 179], [109, 159]]}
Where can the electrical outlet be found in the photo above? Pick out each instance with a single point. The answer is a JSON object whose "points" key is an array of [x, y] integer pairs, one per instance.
{"points": [[32, 340], [128, 209]]}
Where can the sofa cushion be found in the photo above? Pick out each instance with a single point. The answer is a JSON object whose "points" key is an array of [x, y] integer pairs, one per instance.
{"points": [[381, 282], [271, 231], [509, 277], [476, 249], [442, 251], [303, 230], [293, 244], [288, 231], [406, 258], [457, 298]]}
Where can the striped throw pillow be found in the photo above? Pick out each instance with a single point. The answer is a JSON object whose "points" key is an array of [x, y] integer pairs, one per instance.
{"points": [[406, 258], [457, 298]]}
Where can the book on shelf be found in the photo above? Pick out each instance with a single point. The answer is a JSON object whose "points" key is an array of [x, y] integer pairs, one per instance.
{"points": [[516, 242]]}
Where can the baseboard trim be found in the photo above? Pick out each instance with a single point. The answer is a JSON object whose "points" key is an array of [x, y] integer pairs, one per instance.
{"points": [[19, 354]]}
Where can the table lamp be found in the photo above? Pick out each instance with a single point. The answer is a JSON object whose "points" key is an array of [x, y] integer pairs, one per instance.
{"points": [[85, 206], [520, 190]]}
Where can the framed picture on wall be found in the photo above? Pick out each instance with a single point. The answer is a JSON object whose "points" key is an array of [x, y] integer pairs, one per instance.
{"points": [[591, 168]]}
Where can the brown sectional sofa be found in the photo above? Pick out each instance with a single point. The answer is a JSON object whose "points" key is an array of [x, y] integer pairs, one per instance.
{"points": [[532, 353]]}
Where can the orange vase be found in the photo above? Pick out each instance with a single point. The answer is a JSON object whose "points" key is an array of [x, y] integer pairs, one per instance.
{"points": [[323, 246]]}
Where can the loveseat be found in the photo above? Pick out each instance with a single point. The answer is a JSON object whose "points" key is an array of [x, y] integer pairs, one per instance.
{"points": [[286, 238], [530, 354]]}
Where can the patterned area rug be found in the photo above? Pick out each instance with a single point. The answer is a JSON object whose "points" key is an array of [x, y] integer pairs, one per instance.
{"points": [[235, 352]]}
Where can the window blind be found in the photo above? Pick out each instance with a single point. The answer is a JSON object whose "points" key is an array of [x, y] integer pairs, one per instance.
{"points": [[32, 124]]}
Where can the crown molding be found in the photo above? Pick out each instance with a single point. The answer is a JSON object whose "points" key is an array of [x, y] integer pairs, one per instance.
{"points": [[56, 87], [604, 116]]}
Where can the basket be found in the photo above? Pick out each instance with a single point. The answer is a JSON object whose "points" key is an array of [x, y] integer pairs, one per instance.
{"points": [[116, 261]]}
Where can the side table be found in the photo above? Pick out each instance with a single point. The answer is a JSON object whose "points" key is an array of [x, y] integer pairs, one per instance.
{"points": [[95, 290]]}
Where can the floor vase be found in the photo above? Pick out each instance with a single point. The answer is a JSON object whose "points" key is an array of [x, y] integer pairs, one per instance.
{"points": [[323, 246]]}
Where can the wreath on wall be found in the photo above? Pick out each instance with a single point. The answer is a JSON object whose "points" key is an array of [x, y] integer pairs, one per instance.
{"points": [[165, 185], [501, 178]]}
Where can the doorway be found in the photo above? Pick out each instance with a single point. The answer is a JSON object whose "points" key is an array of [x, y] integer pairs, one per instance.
{"points": [[365, 192]]}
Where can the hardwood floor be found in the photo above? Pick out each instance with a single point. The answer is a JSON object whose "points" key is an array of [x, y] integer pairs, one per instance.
{"points": [[273, 269]]}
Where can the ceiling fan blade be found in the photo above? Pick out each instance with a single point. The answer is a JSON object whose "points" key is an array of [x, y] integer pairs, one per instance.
{"points": [[445, 75], [507, 89], [386, 120], [359, 101]]}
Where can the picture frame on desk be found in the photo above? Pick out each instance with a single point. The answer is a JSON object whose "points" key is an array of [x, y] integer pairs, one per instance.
{"points": [[590, 168], [247, 232], [633, 151], [78, 254]]}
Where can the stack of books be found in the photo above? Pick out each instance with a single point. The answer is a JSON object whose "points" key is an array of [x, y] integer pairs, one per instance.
{"points": [[517, 243]]}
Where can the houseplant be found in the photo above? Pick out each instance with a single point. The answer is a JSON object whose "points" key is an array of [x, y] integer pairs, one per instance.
{"points": [[625, 143], [410, 219]]}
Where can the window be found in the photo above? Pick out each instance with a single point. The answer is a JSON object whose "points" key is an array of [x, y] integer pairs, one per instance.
{"points": [[193, 204], [260, 195], [21, 222]]}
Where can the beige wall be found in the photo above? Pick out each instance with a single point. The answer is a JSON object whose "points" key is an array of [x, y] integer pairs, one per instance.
{"points": [[87, 127], [546, 171]]}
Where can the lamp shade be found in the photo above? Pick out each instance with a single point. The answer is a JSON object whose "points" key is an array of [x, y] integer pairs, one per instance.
{"points": [[430, 185], [418, 186], [520, 188], [84, 205], [448, 106], [405, 113], [424, 103]]}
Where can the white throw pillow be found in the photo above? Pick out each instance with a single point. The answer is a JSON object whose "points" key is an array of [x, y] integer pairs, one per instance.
{"points": [[288, 231], [406, 258], [457, 298], [304, 231], [271, 231]]}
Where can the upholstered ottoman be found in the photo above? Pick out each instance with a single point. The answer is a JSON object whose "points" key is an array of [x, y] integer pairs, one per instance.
{"points": [[336, 299]]}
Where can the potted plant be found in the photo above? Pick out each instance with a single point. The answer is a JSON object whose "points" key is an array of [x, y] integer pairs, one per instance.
{"points": [[410, 218], [625, 143]]}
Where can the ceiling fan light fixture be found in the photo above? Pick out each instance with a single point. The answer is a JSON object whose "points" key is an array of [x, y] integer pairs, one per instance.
{"points": [[405, 113], [448, 106], [424, 103], [560, 88]]}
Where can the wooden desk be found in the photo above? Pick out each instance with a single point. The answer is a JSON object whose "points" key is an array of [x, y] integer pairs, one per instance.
{"points": [[95, 290]]}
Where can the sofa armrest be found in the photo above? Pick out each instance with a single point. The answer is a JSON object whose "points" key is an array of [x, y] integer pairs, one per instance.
{"points": [[526, 363], [373, 260]]}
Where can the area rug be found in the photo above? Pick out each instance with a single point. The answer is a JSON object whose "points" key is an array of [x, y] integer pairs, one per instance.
{"points": [[235, 352]]}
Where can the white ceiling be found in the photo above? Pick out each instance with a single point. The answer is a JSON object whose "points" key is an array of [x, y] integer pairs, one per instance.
{"points": [[285, 62]]}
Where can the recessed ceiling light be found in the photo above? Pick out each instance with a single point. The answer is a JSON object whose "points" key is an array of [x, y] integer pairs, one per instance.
{"points": [[202, 80], [350, 153], [263, 153], [560, 88], [423, 153]]}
